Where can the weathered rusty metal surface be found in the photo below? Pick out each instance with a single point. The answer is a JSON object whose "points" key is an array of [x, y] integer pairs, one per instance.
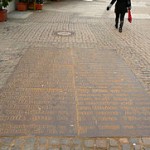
{"points": [[84, 92], [39, 98], [37, 111], [111, 102]]}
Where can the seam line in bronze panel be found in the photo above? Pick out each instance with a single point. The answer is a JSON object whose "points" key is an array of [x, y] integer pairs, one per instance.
{"points": [[76, 97]]}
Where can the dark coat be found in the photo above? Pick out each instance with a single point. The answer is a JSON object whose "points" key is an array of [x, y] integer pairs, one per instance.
{"points": [[121, 5]]}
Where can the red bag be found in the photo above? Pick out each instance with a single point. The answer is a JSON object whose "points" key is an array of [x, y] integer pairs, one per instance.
{"points": [[129, 16]]}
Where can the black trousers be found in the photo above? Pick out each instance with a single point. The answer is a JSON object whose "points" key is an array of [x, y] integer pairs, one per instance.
{"points": [[119, 16]]}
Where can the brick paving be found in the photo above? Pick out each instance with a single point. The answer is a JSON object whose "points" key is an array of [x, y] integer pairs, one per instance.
{"points": [[92, 30]]}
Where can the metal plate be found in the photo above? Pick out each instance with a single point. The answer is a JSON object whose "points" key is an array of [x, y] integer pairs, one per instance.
{"points": [[111, 102], [38, 111], [84, 92]]}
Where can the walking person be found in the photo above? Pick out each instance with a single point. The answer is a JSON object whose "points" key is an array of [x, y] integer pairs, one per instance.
{"points": [[121, 7]]}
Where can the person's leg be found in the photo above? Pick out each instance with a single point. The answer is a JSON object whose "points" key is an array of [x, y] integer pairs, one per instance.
{"points": [[121, 21], [116, 20]]}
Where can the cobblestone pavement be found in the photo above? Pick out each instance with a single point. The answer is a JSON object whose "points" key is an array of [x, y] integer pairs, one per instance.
{"points": [[64, 143], [91, 27]]}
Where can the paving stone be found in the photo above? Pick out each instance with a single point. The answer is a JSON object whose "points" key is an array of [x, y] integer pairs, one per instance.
{"points": [[64, 147], [126, 147], [4, 148], [123, 140], [30, 141], [53, 148], [79, 147], [135, 140], [6, 140], [101, 143], [89, 143], [146, 148], [15, 148], [19, 142], [137, 147], [54, 141], [41, 147], [113, 142], [28, 147], [29, 144], [113, 148], [76, 141], [65, 141], [43, 140], [146, 141]]}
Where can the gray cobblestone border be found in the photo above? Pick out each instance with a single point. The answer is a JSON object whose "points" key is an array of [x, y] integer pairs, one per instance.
{"points": [[73, 143]]}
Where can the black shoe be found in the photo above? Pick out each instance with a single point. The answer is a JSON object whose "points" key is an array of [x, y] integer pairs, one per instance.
{"points": [[120, 29], [116, 26]]}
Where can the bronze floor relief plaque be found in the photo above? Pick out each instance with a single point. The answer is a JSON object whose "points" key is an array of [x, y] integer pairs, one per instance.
{"points": [[111, 102], [39, 98], [74, 92]]}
